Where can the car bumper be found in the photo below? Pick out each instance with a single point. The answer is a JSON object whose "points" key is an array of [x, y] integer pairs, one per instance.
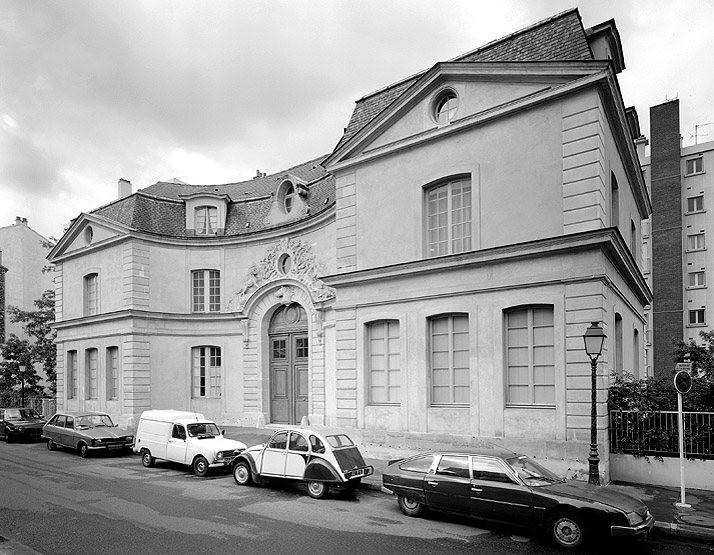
{"points": [[633, 531], [27, 432]]}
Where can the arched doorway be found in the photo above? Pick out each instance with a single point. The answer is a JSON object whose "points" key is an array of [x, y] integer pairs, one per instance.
{"points": [[289, 354]]}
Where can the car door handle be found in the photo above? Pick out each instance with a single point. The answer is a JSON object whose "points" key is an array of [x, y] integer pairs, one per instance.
{"points": [[477, 490], [433, 483]]}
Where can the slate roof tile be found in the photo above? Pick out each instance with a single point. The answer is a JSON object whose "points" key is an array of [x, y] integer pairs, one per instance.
{"points": [[560, 38]]}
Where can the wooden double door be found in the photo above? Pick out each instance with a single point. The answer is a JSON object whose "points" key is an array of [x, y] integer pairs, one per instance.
{"points": [[289, 365]]}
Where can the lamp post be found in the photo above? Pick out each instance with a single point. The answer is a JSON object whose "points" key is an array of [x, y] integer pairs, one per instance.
{"points": [[22, 384], [594, 338]]}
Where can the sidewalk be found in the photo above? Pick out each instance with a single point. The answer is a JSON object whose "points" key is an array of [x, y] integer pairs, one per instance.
{"points": [[696, 522]]}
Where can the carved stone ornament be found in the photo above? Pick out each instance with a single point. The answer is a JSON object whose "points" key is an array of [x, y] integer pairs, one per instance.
{"points": [[288, 259]]}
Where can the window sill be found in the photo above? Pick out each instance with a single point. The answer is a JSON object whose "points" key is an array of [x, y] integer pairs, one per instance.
{"points": [[695, 173], [696, 250], [549, 407], [694, 212], [704, 325], [450, 406], [695, 287]]}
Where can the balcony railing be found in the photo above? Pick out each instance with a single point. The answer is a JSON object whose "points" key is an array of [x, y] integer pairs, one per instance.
{"points": [[655, 433]]}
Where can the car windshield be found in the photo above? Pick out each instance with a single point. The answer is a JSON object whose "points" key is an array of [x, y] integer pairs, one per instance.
{"points": [[203, 429], [339, 440], [93, 421], [532, 473], [21, 414]]}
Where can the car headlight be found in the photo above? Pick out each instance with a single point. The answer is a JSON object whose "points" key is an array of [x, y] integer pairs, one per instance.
{"points": [[10, 426], [130, 439], [219, 456], [21, 428], [634, 519]]}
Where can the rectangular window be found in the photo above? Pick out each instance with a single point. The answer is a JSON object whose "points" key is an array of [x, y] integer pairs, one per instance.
{"points": [[206, 220], [448, 218], [449, 357], [113, 373], [697, 279], [71, 374], [92, 371], [206, 371], [91, 294], [384, 362], [530, 351], [695, 242], [206, 298], [695, 204], [696, 317], [694, 165]]}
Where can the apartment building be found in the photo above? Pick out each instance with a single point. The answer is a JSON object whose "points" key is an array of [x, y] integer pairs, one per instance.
{"points": [[676, 262]]}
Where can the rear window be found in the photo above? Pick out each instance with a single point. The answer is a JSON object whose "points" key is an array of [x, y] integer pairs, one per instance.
{"points": [[420, 464], [339, 440]]}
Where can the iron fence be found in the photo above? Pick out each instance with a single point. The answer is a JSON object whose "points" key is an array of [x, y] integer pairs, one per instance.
{"points": [[655, 433]]}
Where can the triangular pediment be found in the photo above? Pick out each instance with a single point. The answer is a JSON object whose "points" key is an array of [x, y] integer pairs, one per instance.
{"points": [[87, 231], [479, 88]]}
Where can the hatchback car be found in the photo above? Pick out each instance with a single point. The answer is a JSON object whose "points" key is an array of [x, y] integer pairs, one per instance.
{"points": [[506, 487], [306, 456], [86, 432], [20, 423]]}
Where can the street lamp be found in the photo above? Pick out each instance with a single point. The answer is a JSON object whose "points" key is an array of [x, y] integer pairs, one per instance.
{"points": [[594, 337], [22, 386]]}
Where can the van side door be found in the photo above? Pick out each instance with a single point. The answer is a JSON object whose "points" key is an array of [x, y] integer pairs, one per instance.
{"points": [[177, 444]]}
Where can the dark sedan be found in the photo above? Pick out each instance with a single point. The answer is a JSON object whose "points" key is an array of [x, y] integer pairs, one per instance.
{"points": [[86, 432], [20, 423], [500, 486]]}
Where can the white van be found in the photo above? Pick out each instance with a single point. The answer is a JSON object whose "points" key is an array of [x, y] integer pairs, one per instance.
{"points": [[184, 437]]}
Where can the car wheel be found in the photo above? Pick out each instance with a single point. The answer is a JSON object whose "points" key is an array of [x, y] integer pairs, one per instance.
{"points": [[200, 466], [409, 507], [241, 474], [51, 445], [317, 490], [83, 450], [146, 459], [566, 530]]}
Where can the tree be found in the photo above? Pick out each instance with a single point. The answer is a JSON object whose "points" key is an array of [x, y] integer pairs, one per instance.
{"points": [[17, 352], [36, 324]]}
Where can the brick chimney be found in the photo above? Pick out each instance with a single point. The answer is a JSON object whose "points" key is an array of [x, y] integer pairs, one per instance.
{"points": [[124, 188]]}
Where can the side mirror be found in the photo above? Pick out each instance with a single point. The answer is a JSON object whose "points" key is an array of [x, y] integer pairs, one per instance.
{"points": [[223, 432]]}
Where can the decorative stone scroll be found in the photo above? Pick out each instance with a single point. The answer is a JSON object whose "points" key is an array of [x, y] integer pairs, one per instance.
{"points": [[288, 259]]}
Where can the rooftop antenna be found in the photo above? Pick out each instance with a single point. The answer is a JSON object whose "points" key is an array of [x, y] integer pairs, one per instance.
{"points": [[696, 130]]}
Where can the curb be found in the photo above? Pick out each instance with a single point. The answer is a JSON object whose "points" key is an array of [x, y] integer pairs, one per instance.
{"points": [[684, 531]]}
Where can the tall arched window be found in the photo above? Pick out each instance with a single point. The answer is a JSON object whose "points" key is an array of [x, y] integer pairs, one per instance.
{"points": [[448, 218], [384, 362], [450, 359], [530, 356]]}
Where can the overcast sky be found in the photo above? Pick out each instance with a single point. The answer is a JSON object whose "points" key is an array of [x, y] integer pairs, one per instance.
{"points": [[211, 91]]}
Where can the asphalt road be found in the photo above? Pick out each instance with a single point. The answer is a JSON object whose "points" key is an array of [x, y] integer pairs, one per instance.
{"points": [[56, 503]]}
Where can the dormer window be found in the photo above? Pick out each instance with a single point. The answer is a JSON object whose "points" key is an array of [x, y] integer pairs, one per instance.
{"points": [[288, 193], [206, 222]]}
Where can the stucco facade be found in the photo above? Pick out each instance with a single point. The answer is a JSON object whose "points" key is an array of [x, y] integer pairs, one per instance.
{"points": [[430, 279]]}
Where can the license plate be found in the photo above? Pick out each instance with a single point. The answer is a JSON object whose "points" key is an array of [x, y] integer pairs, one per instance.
{"points": [[114, 447], [358, 472]]}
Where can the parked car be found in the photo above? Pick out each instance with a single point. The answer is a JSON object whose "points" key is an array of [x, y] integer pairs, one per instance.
{"points": [[20, 423], [505, 487], [186, 438], [86, 432], [304, 455]]}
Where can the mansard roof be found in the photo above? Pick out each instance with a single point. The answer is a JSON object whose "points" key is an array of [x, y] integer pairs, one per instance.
{"points": [[558, 38], [160, 209]]}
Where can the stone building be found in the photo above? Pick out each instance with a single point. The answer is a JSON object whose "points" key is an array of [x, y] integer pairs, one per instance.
{"points": [[429, 279]]}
